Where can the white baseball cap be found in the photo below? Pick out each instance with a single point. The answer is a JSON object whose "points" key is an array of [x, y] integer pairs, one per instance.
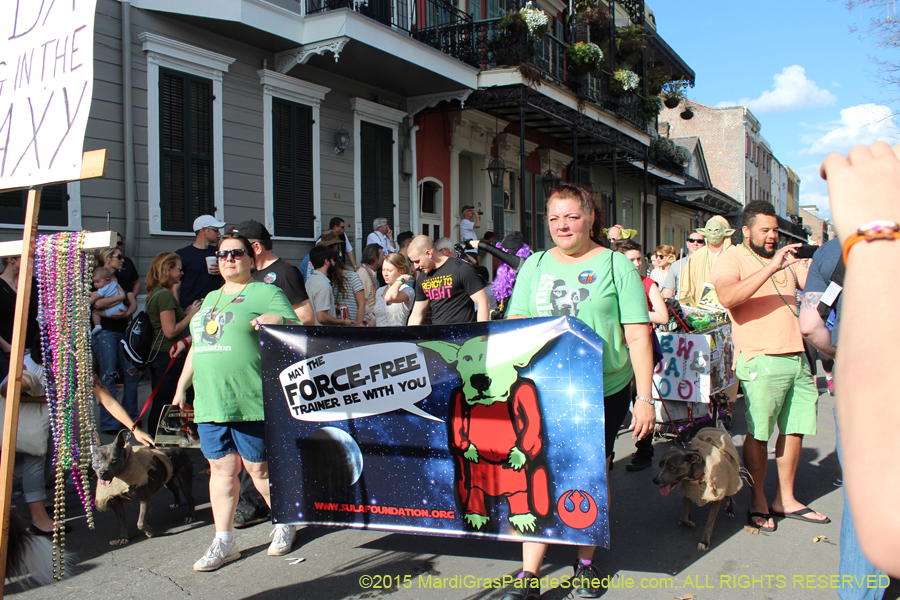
{"points": [[207, 221]]}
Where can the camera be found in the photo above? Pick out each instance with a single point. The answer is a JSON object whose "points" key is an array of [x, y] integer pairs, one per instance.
{"points": [[805, 251], [460, 248]]}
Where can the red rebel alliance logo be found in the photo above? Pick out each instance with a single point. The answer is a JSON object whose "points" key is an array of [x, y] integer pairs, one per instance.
{"points": [[577, 518]]}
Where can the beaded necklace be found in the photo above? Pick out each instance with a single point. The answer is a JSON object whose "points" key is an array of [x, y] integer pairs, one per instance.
{"points": [[63, 273], [212, 326], [772, 279]]}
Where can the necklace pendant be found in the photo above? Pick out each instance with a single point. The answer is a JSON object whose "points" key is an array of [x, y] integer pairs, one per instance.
{"points": [[212, 327]]}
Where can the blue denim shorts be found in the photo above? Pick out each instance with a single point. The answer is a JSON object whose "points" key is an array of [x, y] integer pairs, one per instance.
{"points": [[248, 439]]}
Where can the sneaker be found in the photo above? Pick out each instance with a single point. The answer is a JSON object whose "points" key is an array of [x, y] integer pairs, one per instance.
{"points": [[830, 385], [219, 553], [639, 462], [282, 539], [526, 587], [587, 579], [247, 515]]}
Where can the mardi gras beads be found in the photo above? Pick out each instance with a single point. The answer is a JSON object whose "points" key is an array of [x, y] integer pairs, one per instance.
{"points": [[63, 274]]}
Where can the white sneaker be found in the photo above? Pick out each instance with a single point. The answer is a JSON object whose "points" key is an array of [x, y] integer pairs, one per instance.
{"points": [[282, 539], [219, 553]]}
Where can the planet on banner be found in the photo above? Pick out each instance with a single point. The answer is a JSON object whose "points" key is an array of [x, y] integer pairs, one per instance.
{"points": [[484, 429]]}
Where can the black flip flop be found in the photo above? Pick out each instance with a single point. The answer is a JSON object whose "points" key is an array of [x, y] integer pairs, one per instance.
{"points": [[766, 516], [798, 515]]}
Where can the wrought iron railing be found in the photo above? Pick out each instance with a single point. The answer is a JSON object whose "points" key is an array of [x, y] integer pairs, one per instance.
{"points": [[394, 13]]}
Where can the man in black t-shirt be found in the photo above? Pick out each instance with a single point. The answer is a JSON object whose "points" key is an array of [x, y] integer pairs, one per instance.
{"points": [[276, 271], [200, 277], [451, 287], [127, 276]]}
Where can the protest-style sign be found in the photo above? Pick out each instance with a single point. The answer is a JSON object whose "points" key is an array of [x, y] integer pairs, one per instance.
{"points": [[46, 85], [484, 429], [694, 366]]}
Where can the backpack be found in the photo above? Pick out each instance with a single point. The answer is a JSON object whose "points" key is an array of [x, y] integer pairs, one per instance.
{"points": [[139, 343]]}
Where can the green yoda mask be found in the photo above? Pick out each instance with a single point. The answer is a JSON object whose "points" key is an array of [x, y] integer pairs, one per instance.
{"points": [[716, 230]]}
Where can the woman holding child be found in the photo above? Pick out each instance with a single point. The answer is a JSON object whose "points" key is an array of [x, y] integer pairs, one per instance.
{"points": [[107, 342]]}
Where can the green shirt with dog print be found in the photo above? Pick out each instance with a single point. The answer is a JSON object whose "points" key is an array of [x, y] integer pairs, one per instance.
{"points": [[592, 293], [227, 381]]}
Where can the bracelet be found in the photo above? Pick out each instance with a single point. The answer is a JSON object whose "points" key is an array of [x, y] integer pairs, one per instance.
{"points": [[650, 401], [133, 427], [876, 230]]}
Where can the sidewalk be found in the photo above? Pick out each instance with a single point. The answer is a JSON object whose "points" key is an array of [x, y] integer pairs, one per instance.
{"points": [[650, 552]]}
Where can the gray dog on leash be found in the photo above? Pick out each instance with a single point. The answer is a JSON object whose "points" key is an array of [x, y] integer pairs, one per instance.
{"points": [[127, 474], [708, 472]]}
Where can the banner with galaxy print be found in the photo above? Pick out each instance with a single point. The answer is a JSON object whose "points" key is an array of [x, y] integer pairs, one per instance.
{"points": [[485, 429]]}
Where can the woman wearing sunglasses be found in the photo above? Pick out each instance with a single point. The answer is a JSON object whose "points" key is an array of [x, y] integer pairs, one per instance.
{"points": [[108, 344], [662, 259], [223, 366]]}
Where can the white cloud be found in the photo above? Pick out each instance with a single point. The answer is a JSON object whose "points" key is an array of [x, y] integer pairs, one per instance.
{"points": [[726, 104], [835, 84], [792, 91], [861, 124]]}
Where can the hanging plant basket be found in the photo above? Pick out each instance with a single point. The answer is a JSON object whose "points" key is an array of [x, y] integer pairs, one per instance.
{"points": [[687, 114], [672, 101]]}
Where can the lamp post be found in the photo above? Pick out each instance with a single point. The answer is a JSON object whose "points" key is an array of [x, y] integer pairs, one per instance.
{"points": [[496, 169], [549, 180]]}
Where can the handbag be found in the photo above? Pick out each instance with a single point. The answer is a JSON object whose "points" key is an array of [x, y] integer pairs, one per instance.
{"points": [[34, 421]]}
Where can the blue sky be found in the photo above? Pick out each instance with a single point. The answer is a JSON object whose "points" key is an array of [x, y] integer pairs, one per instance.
{"points": [[795, 63]]}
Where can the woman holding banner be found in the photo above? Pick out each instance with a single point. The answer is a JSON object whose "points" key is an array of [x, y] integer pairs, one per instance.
{"points": [[223, 365], [611, 299]]}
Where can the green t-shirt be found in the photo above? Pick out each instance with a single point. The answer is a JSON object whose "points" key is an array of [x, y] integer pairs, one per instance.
{"points": [[227, 380], [158, 302], [546, 288]]}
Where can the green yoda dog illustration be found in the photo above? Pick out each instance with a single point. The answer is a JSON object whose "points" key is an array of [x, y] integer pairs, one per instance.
{"points": [[496, 432]]}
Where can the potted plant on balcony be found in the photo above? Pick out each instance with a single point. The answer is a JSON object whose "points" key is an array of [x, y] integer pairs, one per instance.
{"points": [[591, 20], [652, 106], [517, 30], [666, 148], [673, 92], [583, 58], [624, 81], [630, 40]]}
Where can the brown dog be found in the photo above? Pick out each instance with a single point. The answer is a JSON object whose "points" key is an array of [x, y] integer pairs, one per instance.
{"points": [[708, 472], [133, 473]]}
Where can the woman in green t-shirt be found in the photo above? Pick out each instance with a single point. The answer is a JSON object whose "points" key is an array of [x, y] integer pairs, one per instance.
{"points": [[223, 365], [582, 279], [169, 322]]}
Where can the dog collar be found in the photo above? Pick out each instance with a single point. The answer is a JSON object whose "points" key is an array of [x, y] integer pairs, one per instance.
{"points": [[697, 479]]}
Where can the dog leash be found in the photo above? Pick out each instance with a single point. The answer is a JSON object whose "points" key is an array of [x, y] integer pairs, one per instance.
{"points": [[152, 396]]}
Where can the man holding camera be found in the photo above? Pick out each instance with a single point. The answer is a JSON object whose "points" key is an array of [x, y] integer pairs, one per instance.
{"points": [[757, 283]]}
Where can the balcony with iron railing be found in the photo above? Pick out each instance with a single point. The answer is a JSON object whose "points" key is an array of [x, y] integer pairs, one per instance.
{"points": [[484, 45]]}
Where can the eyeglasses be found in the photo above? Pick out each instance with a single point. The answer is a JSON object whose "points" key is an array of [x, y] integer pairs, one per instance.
{"points": [[120, 243], [695, 240], [657, 256], [117, 257], [236, 254], [216, 229]]}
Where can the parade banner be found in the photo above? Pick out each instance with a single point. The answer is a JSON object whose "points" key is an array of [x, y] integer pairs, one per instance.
{"points": [[694, 366], [484, 429], [46, 84]]}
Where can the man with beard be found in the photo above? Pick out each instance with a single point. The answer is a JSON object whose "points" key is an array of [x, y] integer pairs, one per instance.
{"points": [[757, 284]]}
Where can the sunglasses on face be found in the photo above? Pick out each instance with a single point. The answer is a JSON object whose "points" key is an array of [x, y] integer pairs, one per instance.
{"points": [[695, 241], [236, 254], [117, 257], [120, 243], [216, 229]]}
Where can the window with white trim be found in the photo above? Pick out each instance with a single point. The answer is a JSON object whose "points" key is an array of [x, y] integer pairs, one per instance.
{"points": [[60, 208], [291, 140], [184, 131]]}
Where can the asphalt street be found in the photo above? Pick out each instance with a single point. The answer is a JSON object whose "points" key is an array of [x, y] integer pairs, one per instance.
{"points": [[651, 556]]}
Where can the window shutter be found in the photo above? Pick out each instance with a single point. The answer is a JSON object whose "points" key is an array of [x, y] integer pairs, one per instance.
{"points": [[497, 212], [186, 153], [292, 169], [54, 206], [377, 174], [540, 227]]}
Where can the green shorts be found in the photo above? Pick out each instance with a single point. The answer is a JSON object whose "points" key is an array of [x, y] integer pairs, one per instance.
{"points": [[778, 389]]}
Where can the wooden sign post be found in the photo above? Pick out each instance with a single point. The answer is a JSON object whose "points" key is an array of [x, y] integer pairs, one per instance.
{"points": [[93, 165]]}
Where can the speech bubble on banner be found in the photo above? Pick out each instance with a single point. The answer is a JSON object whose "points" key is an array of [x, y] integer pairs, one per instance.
{"points": [[356, 383]]}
